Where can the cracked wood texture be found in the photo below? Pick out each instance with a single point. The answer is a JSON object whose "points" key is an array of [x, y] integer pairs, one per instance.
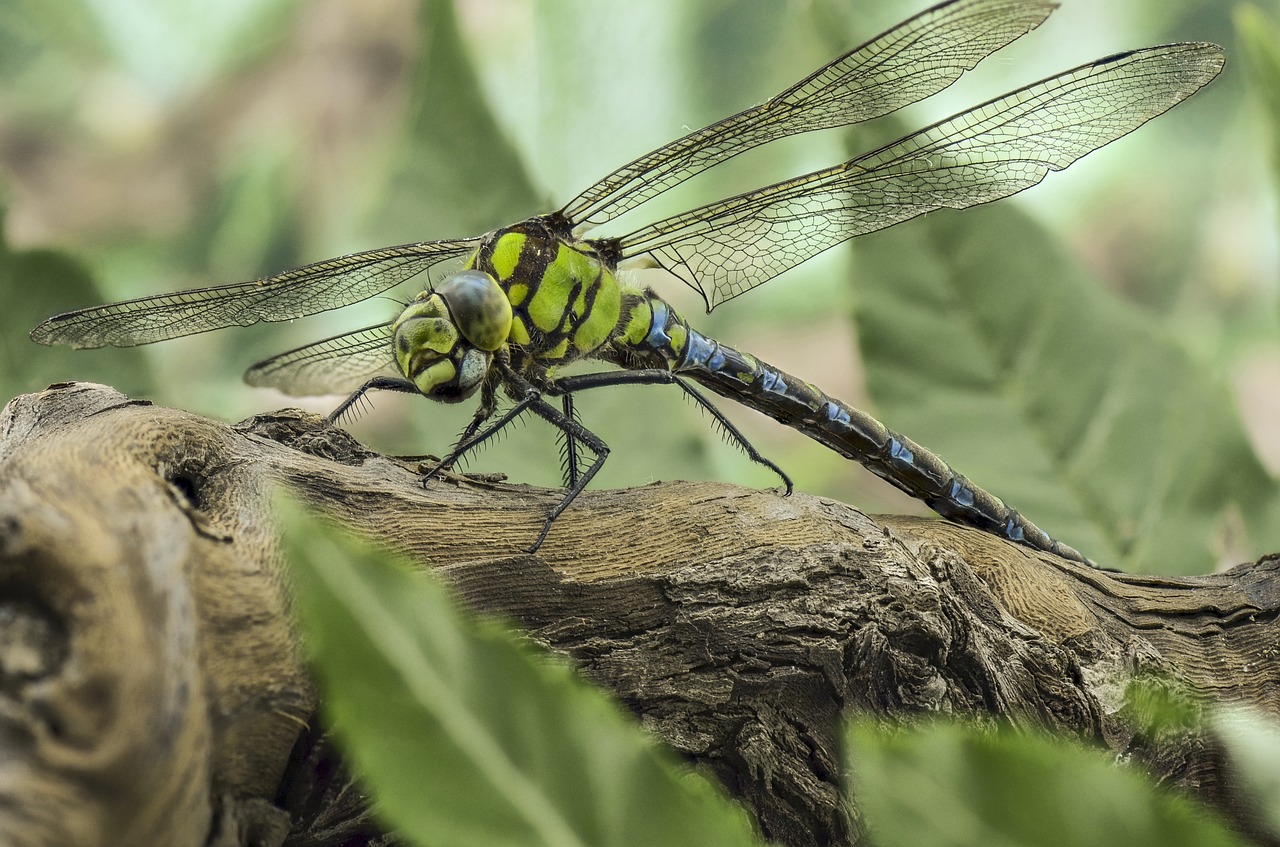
{"points": [[152, 691]]}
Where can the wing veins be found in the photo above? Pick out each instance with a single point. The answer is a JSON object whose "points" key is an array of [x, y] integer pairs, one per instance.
{"points": [[335, 365], [909, 62], [318, 287], [982, 154]]}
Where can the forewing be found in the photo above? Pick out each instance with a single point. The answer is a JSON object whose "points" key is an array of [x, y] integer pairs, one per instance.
{"points": [[988, 152], [291, 294], [915, 59], [337, 365]]}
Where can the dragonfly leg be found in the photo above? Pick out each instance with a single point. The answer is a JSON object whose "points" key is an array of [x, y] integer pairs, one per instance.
{"points": [[380, 383], [473, 435], [656, 376], [529, 397], [570, 444], [488, 405]]}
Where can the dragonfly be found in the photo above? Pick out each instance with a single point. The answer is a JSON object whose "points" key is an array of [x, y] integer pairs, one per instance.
{"points": [[513, 307]]}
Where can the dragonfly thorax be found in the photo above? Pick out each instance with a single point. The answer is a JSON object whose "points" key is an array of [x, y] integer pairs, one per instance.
{"points": [[566, 301], [445, 339]]}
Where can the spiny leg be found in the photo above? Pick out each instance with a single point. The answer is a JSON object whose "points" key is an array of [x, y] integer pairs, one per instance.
{"points": [[529, 397], [473, 435], [380, 383], [655, 376], [574, 430], [488, 405], [570, 444]]}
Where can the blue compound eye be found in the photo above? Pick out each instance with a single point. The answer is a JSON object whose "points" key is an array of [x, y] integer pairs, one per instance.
{"points": [[479, 307]]}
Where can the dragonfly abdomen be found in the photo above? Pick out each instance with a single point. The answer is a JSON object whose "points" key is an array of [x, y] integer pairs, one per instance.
{"points": [[671, 343]]}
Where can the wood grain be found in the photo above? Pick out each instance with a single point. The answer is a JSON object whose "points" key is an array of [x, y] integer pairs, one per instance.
{"points": [[152, 691]]}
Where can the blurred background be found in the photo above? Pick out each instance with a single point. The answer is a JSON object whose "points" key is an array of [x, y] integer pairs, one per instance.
{"points": [[1101, 351]]}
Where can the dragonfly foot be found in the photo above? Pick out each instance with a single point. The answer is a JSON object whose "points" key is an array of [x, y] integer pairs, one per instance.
{"points": [[433, 473], [787, 486], [542, 536]]}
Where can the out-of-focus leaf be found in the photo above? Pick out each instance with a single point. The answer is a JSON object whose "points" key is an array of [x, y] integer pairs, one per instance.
{"points": [[1157, 705], [1253, 748], [955, 786], [1259, 39], [29, 28], [38, 284], [468, 736], [173, 46], [984, 342], [252, 228], [455, 174]]}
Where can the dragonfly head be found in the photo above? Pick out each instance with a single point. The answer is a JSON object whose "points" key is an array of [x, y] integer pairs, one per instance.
{"points": [[445, 339]]}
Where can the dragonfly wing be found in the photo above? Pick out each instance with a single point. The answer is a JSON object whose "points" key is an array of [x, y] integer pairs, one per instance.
{"points": [[337, 365], [988, 152], [915, 59], [313, 288]]}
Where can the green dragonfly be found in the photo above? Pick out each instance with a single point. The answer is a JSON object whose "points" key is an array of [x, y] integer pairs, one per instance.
{"points": [[521, 302]]}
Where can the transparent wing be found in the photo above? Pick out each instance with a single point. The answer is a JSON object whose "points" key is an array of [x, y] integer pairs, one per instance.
{"points": [[313, 288], [337, 365], [915, 59], [988, 152]]}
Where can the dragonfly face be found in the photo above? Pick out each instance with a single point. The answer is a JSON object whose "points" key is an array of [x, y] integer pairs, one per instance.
{"points": [[445, 339]]}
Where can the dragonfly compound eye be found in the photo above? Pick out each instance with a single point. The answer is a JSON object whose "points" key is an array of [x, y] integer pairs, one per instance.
{"points": [[479, 307]]}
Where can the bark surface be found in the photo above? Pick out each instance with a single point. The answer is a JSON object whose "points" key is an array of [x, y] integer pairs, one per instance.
{"points": [[152, 689]]}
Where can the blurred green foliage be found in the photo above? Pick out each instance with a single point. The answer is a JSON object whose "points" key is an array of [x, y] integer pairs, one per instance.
{"points": [[39, 283], [951, 785], [165, 144], [1260, 44], [1157, 705], [1252, 744], [467, 735]]}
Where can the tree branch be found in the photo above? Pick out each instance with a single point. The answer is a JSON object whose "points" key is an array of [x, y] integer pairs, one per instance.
{"points": [[152, 691]]}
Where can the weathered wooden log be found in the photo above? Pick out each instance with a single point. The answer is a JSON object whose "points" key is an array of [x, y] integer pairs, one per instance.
{"points": [[152, 690]]}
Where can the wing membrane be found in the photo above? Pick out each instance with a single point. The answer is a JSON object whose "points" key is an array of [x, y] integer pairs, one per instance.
{"points": [[313, 288], [915, 59], [988, 152], [337, 365]]}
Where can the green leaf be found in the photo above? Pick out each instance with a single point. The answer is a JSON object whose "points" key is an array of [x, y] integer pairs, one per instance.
{"points": [[955, 786], [984, 342], [467, 735], [38, 284], [1259, 39], [1252, 741], [174, 48], [1155, 704], [454, 172]]}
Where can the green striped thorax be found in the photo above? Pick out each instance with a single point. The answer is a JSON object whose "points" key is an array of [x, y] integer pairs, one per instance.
{"points": [[551, 300], [445, 339], [566, 302]]}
